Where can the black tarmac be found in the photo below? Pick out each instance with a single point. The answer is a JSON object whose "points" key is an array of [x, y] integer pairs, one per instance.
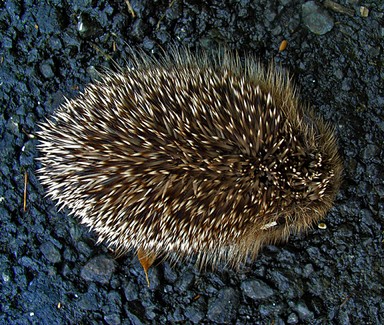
{"points": [[52, 271]]}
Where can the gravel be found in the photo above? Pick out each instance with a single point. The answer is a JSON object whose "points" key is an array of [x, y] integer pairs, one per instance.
{"points": [[316, 19], [51, 269]]}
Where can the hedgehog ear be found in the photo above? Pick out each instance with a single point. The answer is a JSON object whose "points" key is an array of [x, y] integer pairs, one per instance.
{"points": [[146, 260]]}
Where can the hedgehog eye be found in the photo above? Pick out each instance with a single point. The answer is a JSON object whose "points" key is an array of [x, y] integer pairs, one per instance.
{"points": [[281, 221]]}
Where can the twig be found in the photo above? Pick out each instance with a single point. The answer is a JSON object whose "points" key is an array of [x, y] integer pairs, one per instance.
{"points": [[130, 9], [25, 190]]}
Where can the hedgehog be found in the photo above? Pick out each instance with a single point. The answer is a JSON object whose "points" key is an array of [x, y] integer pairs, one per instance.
{"points": [[191, 154]]}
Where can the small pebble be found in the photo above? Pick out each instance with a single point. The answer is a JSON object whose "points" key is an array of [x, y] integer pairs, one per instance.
{"points": [[50, 252], [46, 70], [364, 11], [112, 319], [292, 319], [322, 226], [256, 289], [302, 310], [194, 314], [131, 292], [98, 269], [222, 308], [316, 19]]}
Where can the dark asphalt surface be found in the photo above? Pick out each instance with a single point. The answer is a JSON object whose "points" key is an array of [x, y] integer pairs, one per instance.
{"points": [[51, 269]]}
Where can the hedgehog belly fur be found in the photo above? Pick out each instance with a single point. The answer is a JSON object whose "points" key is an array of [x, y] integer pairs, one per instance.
{"points": [[190, 155]]}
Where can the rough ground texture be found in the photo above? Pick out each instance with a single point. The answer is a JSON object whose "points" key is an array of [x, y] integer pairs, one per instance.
{"points": [[52, 272]]}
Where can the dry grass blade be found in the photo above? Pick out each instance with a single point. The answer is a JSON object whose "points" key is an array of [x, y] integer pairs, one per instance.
{"points": [[25, 191], [130, 9], [146, 260]]}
